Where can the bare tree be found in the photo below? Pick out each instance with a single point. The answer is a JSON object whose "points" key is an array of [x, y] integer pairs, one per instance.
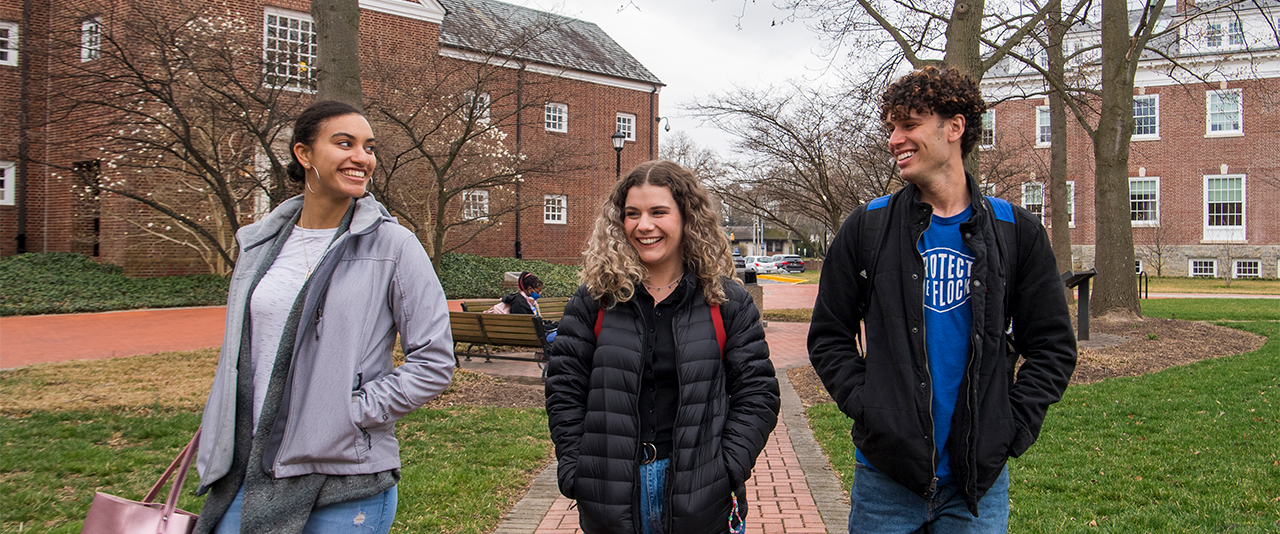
{"points": [[803, 156], [194, 127], [1154, 248], [703, 162], [450, 167]]}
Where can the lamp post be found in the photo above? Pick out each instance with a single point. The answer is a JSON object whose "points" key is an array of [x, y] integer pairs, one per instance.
{"points": [[619, 139]]}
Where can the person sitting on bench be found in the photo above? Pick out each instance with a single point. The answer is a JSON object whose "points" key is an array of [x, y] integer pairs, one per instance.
{"points": [[525, 301]]}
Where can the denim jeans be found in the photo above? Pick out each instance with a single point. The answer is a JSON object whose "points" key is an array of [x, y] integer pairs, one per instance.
{"points": [[653, 483], [369, 515], [883, 506]]}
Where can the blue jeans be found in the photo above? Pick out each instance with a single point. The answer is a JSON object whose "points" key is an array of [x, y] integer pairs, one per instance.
{"points": [[883, 506], [369, 515], [653, 483]]}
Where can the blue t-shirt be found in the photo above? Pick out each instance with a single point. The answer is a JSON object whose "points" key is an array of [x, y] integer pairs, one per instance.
{"points": [[948, 318]]}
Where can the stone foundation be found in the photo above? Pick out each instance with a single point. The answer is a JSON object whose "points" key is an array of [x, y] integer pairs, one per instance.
{"points": [[1176, 260]]}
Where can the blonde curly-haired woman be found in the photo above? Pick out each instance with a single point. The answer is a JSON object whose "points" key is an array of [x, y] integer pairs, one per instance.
{"points": [[660, 392]]}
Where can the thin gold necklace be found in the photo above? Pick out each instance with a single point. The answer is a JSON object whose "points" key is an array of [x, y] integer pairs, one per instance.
{"points": [[304, 252], [668, 286]]}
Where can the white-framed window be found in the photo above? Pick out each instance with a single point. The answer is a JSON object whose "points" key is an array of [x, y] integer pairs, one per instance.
{"points": [[988, 138], [1137, 266], [1213, 35], [1204, 268], [1235, 33], [475, 205], [289, 49], [480, 102], [1223, 112], [1044, 133], [1224, 207], [8, 44], [1144, 201], [1146, 117], [91, 39], [1033, 199], [7, 178], [627, 125], [554, 208], [556, 117], [988, 189], [1246, 269]]}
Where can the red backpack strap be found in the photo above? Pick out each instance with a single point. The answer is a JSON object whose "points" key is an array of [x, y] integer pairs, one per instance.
{"points": [[599, 321], [718, 320]]}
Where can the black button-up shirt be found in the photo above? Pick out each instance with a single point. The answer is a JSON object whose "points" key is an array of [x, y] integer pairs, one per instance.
{"points": [[659, 384]]}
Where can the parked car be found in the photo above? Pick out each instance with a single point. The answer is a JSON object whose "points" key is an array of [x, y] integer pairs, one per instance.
{"points": [[790, 263], [738, 262], [761, 264]]}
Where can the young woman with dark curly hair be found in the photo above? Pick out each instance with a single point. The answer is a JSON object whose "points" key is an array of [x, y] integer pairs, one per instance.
{"points": [[657, 412]]}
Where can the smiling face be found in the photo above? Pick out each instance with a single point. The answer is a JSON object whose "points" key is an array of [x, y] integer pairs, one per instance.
{"points": [[652, 222], [341, 158], [925, 146]]}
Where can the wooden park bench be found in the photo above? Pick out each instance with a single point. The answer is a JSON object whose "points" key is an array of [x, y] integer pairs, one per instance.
{"points": [[485, 330], [551, 308]]}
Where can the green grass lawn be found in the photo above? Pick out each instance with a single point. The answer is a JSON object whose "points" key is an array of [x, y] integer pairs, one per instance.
{"points": [[1189, 449], [464, 466], [1215, 285], [1213, 309]]}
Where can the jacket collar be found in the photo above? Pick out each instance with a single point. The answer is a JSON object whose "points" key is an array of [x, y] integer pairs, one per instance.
{"points": [[977, 201], [369, 213]]}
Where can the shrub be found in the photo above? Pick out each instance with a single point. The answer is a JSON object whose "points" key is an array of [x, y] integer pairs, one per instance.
{"points": [[62, 282], [59, 282], [468, 276]]}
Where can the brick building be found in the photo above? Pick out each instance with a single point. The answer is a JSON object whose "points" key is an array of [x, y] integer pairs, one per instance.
{"points": [[1204, 169], [557, 88]]}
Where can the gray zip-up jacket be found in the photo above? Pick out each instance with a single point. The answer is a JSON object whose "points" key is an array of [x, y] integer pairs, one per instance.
{"points": [[345, 395]]}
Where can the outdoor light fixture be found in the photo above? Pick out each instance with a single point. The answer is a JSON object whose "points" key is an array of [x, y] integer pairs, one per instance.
{"points": [[659, 120], [619, 139]]}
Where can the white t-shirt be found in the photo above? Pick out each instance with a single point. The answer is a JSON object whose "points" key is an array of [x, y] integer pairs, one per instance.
{"points": [[273, 299]]}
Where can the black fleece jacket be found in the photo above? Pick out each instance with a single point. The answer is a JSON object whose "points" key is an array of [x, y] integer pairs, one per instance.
{"points": [[725, 413], [888, 392]]}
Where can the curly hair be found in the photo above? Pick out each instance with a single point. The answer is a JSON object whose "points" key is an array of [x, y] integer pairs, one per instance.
{"points": [[944, 91], [612, 267]]}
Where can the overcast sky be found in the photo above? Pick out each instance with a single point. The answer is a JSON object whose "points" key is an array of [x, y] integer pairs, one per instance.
{"points": [[701, 47]]}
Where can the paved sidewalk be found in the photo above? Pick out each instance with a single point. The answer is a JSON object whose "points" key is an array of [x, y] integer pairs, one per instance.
{"points": [[90, 336], [792, 488]]}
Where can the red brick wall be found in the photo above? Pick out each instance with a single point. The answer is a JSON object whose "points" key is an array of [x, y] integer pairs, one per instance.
{"points": [[1181, 157], [59, 219], [592, 112]]}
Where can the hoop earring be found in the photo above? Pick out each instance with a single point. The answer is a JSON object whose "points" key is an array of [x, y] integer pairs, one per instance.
{"points": [[308, 182]]}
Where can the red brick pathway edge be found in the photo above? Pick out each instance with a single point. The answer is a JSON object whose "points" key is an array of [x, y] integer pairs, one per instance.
{"points": [[792, 490]]}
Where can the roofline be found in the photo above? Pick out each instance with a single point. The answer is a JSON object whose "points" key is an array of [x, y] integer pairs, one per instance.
{"points": [[559, 72], [425, 10]]}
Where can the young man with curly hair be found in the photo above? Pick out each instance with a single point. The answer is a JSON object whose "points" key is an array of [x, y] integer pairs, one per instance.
{"points": [[951, 287]]}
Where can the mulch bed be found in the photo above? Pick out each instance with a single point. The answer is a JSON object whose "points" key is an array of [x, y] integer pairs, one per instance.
{"points": [[1149, 345]]}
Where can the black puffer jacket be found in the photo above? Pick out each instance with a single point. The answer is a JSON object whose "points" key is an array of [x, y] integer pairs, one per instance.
{"points": [[888, 393], [726, 410]]}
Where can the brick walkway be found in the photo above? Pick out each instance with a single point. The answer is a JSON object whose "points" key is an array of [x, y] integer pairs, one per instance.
{"points": [[778, 497], [792, 488]]}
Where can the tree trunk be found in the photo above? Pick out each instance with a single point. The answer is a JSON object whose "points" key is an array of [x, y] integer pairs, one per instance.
{"points": [[1115, 291], [965, 54], [337, 26], [1059, 196]]}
